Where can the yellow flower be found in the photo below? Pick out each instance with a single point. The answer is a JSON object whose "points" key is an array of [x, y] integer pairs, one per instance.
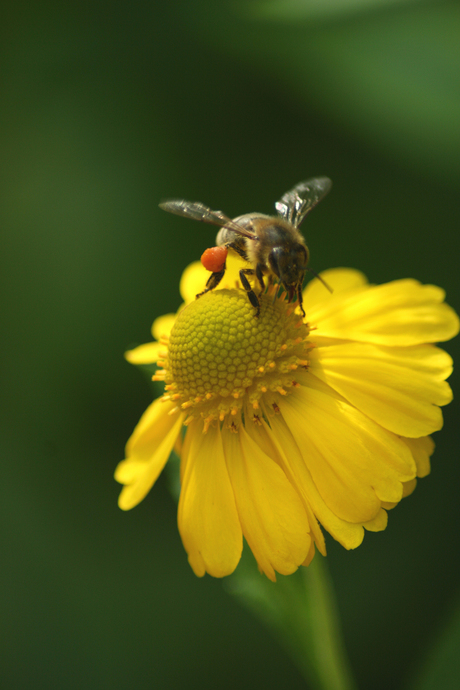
{"points": [[291, 424]]}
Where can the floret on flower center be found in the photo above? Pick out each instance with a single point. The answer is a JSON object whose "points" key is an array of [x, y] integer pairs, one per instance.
{"points": [[222, 362]]}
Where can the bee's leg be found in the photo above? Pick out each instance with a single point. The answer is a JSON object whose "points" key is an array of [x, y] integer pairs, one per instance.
{"points": [[300, 298], [238, 248], [213, 281], [260, 276], [247, 286]]}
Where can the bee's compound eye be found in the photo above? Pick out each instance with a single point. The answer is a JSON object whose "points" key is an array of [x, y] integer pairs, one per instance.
{"points": [[213, 259]]}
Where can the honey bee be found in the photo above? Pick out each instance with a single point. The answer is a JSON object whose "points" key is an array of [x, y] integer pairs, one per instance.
{"points": [[272, 245]]}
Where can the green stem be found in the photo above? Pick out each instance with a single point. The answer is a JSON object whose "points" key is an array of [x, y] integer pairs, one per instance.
{"points": [[328, 655], [302, 611]]}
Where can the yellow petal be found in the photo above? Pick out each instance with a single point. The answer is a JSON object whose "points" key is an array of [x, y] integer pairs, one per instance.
{"points": [[185, 454], [280, 448], [310, 554], [379, 523], [208, 519], [144, 354], [354, 462], [195, 277], [409, 487], [338, 279], [147, 452], [402, 312], [346, 533], [193, 281], [232, 273], [163, 325], [272, 516], [421, 449], [398, 388], [150, 430]]}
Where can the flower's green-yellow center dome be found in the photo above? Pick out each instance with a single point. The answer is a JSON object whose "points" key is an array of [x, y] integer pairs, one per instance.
{"points": [[222, 359]]}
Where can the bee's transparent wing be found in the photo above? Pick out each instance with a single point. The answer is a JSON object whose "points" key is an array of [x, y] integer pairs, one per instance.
{"points": [[195, 210], [198, 211], [295, 204]]}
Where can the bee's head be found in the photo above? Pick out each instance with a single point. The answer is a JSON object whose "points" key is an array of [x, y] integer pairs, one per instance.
{"points": [[289, 265]]}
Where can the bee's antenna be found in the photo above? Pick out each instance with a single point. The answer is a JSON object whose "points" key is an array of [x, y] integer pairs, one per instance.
{"points": [[320, 279]]}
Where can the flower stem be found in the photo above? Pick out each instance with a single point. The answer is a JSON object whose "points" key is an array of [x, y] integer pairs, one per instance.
{"points": [[302, 612], [328, 655]]}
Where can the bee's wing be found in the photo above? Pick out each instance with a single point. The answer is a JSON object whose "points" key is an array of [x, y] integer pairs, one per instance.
{"points": [[295, 204], [198, 211]]}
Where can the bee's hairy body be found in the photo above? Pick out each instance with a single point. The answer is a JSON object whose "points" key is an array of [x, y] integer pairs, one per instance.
{"points": [[275, 248], [272, 245]]}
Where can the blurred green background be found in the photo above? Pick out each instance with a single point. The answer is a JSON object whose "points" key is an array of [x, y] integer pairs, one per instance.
{"points": [[108, 108]]}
